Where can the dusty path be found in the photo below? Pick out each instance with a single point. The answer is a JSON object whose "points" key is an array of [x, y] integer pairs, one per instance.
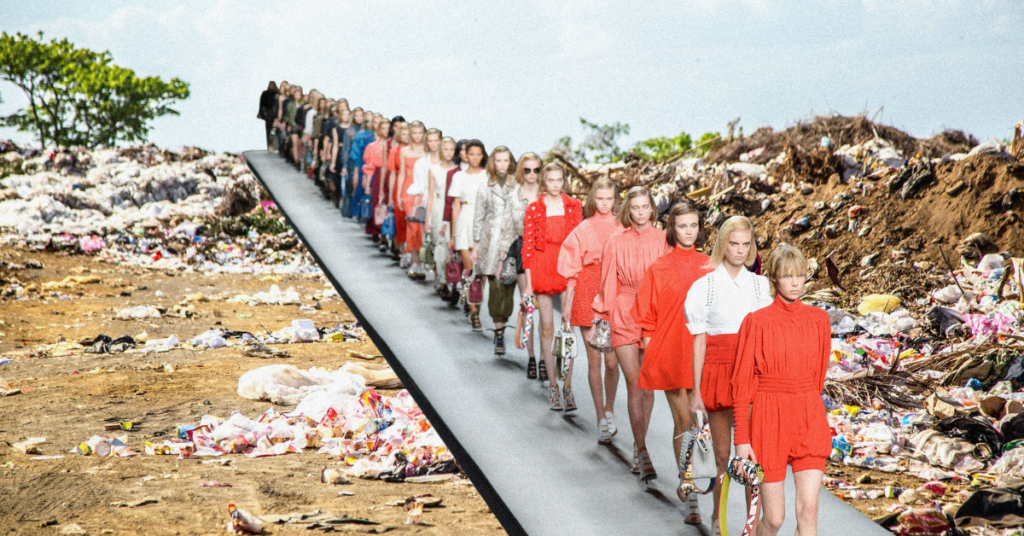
{"points": [[68, 396]]}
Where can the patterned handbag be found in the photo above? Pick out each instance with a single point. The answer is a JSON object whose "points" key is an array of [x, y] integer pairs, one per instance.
{"points": [[418, 215], [602, 340]]}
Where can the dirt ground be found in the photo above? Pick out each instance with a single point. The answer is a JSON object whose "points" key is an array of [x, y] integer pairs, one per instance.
{"points": [[67, 396]]}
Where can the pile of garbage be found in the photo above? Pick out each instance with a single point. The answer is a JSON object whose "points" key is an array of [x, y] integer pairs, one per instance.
{"points": [[336, 412], [915, 252], [146, 207]]}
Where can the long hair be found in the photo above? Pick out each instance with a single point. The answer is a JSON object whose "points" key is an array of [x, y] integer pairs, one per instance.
{"points": [[680, 209], [395, 121], [457, 160], [729, 226], [603, 183], [492, 171], [520, 166], [784, 260], [477, 143], [625, 219]]}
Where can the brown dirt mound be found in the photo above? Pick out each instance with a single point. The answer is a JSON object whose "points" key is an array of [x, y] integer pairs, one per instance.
{"points": [[842, 130]]}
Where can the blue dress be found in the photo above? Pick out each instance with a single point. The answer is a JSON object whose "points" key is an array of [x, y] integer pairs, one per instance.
{"points": [[355, 168]]}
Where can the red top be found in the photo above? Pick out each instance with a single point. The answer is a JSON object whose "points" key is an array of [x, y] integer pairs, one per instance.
{"points": [[449, 201], [659, 312], [535, 225], [781, 358], [624, 262], [584, 245]]}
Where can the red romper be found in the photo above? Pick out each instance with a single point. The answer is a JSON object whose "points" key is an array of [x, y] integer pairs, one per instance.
{"points": [[623, 264], [399, 212], [543, 236], [777, 380], [659, 311], [579, 262]]}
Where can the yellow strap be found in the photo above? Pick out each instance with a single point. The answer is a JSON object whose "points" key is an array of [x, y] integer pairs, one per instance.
{"points": [[722, 502]]}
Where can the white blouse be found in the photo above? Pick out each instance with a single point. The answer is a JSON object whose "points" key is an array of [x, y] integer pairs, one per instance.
{"points": [[420, 176], [716, 304]]}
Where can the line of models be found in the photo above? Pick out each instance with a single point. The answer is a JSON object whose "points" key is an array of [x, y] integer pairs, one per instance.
{"points": [[710, 332]]}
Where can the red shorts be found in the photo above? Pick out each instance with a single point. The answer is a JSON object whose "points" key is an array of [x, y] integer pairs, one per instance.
{"points": [[716, 378]]}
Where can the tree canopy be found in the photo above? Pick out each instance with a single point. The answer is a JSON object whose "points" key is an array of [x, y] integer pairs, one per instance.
{"points": [[79, 97]]}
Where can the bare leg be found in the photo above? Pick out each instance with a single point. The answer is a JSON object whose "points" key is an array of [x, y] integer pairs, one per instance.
{"points": [[545, 304], [639, 401], [594, 373], [773, 507], [467, 266], [721, 439], [679, 403], [611, 381], [808, 485]]}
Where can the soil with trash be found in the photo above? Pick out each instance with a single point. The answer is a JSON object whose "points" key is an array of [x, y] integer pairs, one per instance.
{"points": [[171, 356], [120, 267]]}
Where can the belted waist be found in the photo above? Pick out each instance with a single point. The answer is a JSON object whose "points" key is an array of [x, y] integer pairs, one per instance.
{"points": [[628, 291], [783, 383]]}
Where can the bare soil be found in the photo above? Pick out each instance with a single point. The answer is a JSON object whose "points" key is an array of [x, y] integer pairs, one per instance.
{"points": [[68, 396]]}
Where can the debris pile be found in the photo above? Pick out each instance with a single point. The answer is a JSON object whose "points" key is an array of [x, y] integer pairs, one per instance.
{"points": [[915, 252]]}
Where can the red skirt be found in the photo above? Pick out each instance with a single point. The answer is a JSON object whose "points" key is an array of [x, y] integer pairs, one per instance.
{"points": [[716, 378], [588, 283], [544, 271]]}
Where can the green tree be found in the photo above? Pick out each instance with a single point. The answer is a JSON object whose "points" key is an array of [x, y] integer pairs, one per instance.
{"points": [[78, 96], [661, 149], [600, 144]]}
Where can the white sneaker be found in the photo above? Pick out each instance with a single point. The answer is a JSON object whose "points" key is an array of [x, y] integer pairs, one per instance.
{"points": [[612, 430], [404, 261], [431, 276]]}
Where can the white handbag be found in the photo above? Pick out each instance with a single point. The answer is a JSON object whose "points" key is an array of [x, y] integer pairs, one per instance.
{"points": [[698, 456]]}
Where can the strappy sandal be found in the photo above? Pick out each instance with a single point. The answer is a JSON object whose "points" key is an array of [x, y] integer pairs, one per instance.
{"points": [[542, 371], [531, 369], [692, 508], [647, 472], [499, 341], [556, 401], [567, 400], [474, 320], [603, 436], [636, 461]]}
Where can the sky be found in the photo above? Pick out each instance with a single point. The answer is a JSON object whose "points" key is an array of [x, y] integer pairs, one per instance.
{"points": [[522, 73]]}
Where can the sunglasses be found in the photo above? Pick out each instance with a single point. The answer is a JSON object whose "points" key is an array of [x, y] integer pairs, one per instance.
{"points": [[531, 170]]}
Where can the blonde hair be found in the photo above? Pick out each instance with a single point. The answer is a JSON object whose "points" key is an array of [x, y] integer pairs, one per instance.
{"points": [[519, 168], [625, 219], [729, 226], [603, 183], [417, 124], [440, 150], [492, 169], [784, 260]]}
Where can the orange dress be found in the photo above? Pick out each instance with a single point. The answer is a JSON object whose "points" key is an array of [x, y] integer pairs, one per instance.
{"points": [[399, 212], [413, 231], [624, 262], [579, 262], [777, 380], [543, 237], [659, 311]]}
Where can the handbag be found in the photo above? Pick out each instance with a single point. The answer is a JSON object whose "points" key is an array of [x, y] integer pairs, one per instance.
{"points": [[387, 228], [507, 274], [365, 209], [379, 213], [453, 269], [475, 295], [418, 214], [602, 340], [749, 474], [427, 251], [564, 350], [526, 318]]}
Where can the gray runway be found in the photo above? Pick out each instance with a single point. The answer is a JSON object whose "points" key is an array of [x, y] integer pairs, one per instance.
{"points": [[541, 472]]}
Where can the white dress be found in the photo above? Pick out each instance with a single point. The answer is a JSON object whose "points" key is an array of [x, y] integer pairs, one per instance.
{"points": [[716, 304], [465, 186]]}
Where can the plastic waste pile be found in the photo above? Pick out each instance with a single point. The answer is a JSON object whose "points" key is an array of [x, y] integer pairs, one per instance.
{"points": [[335, 412], [146, 207]]}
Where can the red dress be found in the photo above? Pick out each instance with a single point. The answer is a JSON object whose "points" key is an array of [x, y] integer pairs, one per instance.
{"points": [[623, 264], [579, 262], [542, 241], [777, 380], [659, 311], [373, 162], [413, 231], [393, 163]]}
